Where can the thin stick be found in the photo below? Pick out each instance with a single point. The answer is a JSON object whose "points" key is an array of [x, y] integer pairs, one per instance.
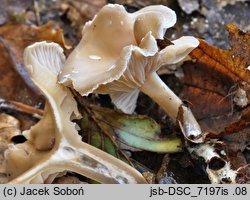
{"points": [[21, 107]]}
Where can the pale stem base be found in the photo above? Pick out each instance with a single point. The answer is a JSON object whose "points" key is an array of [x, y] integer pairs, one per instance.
{"points": [[173, 106]]}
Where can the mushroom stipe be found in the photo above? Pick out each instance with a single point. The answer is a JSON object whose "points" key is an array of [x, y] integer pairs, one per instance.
{"points": [[119, 55]]}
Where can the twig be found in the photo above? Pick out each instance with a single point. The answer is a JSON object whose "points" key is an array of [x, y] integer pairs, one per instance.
{"points": [[20, 107]]}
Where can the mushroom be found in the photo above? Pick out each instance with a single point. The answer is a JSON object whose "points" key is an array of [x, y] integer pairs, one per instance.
{"points": [[118, 55], [53, 144]]}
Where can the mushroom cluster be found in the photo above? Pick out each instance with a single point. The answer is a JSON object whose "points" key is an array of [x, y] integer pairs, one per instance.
{"points": [[118, 55], [53, 144]]}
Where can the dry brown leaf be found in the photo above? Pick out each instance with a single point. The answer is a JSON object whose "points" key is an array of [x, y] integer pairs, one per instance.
{"points": [[217, 85], [15, 84], [12, 86], [240, 44], [17, 37]]}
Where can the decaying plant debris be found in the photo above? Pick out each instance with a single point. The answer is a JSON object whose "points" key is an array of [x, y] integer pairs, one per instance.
{"points": [[44, 138]]}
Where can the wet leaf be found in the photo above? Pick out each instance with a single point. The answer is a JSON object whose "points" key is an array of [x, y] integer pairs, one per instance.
{"points": [[217, 84], [135, 130], [15, 83]]}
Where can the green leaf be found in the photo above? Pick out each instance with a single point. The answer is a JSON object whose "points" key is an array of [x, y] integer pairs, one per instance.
{"points": [[97, 136], [136, 131], [167, 145]]}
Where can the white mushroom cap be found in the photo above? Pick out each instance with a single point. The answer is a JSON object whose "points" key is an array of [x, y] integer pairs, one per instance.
{"points": [[155, 19], [108, 42], [119, 49], [106, 48]]}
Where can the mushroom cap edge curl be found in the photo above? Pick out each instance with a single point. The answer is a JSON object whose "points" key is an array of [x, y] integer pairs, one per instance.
{"points": [[118, 55]]}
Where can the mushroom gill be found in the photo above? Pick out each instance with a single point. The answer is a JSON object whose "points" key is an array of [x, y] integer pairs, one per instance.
{"points": [[118, 55]]}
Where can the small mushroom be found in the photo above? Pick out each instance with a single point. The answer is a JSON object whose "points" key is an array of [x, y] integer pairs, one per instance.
{"points": [[54, 145], [118, 55]]}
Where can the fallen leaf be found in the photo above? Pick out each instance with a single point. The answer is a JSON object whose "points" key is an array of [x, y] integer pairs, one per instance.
{"points": [[217, 87], [93, 134], [217, 84], [111, 131], [12, 86], [17, 37], [20, 107], [137, 131], [240, 46], [142, 168]]}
